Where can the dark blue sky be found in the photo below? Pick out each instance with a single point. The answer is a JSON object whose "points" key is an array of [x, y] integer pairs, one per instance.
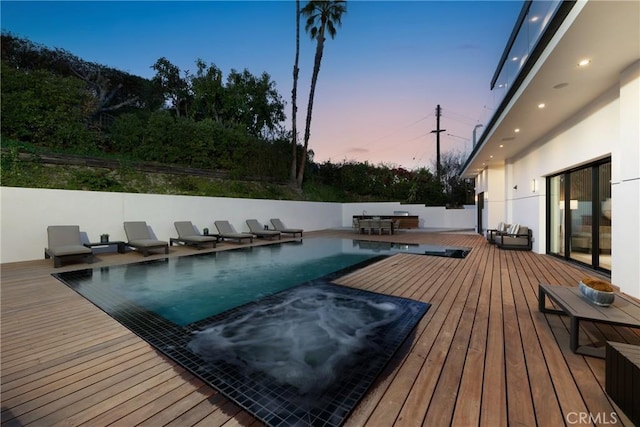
{"points": [[382, 76]]}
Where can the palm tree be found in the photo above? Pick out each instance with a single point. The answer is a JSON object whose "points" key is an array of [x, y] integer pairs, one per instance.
{"points": [[322, 16], [294, 105]]}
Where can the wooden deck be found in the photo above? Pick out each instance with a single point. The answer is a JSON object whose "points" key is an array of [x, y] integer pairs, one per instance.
{"points": [[482, 355]]}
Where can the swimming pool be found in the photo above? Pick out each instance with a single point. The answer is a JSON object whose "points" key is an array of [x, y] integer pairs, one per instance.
{"points": [[264, 325], [187, 289]]}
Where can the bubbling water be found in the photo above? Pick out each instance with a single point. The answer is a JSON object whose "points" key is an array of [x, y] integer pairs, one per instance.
{"points": [[305, 341]]}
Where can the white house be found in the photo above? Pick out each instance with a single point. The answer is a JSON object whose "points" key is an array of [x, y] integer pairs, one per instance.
{"points": [[561, 155]]}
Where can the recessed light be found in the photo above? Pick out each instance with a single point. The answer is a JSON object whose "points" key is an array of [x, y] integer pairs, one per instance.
{"points": [[584, 63], [491, 157], [516, 130], [534, 18], [542, 105], [501, 145], [515, 58]]}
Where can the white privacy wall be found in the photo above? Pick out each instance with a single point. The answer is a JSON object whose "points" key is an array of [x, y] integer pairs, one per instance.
{"points": [[26, 213], [429, 216]]}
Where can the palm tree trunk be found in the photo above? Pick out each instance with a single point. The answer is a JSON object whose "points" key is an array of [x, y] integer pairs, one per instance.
{"points": [[294, 105], [307, 130]]}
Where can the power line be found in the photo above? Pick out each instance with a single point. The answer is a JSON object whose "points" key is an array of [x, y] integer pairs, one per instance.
{"points": [[392, 133]]}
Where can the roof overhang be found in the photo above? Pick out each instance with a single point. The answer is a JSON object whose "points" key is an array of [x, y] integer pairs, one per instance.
{"points": [[605, 32]]}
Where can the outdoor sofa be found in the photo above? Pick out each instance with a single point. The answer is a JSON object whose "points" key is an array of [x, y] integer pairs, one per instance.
{"points": [[517, 237]]}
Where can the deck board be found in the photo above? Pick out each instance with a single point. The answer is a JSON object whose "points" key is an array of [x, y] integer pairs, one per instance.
{"points": [[482, 354]]}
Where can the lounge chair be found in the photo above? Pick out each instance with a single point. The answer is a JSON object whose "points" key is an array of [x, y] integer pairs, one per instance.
{"points": [[64, 243], [227, 231], [279, 225], [258, 229], [138, 237], [187, 235]]}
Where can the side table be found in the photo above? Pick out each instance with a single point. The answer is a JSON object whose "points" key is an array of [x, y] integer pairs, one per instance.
{"points": [[121, 245]]}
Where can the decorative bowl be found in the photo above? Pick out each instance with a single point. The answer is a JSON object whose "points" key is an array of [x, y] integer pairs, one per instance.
{"points": [[600, 298]]}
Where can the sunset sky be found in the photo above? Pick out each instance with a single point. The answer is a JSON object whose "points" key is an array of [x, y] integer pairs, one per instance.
{"points": [[381, 78]]}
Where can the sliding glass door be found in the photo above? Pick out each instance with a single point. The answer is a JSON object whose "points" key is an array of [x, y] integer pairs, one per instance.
{"points": [[579, 215]]}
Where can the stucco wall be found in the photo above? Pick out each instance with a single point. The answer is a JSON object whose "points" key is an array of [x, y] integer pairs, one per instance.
{"points": [[26, 213], [625, 186], [429, 216], [609, 126]]}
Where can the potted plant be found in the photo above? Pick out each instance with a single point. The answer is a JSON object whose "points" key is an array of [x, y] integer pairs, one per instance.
{"points": [[104, 238], [205, 231], [597, 291]]}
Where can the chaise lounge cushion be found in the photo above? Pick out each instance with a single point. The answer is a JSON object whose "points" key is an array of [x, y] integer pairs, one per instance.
{"points": [[228, 231], [258, 229], [64, 241], [187, 235], [139, 237], [279, 225]]}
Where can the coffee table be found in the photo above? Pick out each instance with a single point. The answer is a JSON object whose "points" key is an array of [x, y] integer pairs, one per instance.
{"points": [[625, 311]]}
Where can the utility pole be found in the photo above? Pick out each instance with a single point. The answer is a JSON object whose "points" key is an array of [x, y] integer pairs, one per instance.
{"points": [[437, 132]]}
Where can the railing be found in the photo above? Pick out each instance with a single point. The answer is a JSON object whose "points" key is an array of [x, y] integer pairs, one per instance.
{"points": [[536, 25], [532, 22]]}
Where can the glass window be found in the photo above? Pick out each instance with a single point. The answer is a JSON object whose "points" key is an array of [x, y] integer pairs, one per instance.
{"points": [[557, 215], [604, 223], [579, 215]]}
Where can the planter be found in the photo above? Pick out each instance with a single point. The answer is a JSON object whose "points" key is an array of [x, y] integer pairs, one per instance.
{"points": [[601, 298], [104, 238]]}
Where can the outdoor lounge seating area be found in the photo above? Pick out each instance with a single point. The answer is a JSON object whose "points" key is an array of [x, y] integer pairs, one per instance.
{"points": [[482, 337], [65, 243], [376, 226]]}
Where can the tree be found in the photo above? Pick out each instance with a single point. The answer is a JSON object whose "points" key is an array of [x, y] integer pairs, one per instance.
{"points": [[254, 103], [456, 189], [322, 16], [294, 104], [208, 92], [103, 90], [112, 89], [174, 88], [45, 109]]}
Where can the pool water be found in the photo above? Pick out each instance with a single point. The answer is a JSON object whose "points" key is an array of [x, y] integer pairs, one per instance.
{"points": [[186, 289]]}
